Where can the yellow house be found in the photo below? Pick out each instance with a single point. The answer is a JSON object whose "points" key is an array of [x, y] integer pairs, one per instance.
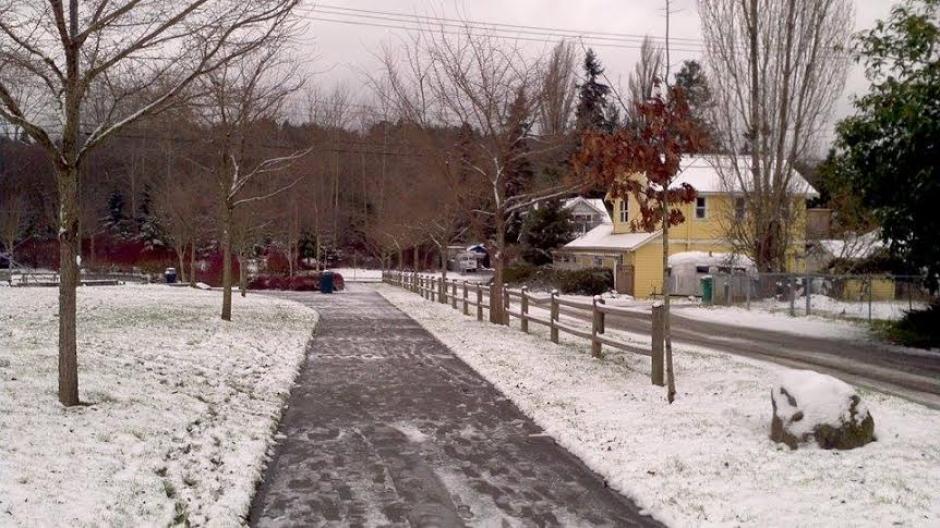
{"points": [[636, 257]]}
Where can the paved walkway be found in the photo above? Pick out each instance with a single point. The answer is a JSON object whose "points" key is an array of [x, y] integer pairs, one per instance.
{"points": [[386, 427]]}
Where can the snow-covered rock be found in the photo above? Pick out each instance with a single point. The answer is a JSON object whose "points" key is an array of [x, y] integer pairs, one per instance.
{"points": [[812, 406]]}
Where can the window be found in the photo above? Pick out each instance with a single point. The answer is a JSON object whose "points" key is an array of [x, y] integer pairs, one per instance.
{"points": [[623, 210], [598, 262], [739, 208], [700, 207]]}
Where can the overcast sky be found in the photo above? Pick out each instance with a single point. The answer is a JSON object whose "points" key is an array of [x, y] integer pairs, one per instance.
{"points": [[341, 52]]}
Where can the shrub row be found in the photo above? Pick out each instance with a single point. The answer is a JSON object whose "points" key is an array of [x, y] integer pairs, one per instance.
{"points": [[590, 281], [305, 282]]}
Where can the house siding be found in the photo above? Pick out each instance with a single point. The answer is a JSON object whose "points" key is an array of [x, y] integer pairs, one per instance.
{"points": [[694, 234]]}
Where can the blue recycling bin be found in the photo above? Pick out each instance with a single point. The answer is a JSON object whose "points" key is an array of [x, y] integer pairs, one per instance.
{"points": [[326, 282]]}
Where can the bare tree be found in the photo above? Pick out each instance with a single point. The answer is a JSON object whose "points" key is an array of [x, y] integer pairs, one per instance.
{"points": [[776, 68], [559, 88], [12, 222], [489, 88], [647, 72], [158, 48], [240, 106]]}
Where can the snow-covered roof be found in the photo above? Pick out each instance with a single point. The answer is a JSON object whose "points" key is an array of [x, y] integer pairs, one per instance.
{"points": [[707, 174], [603, 237], [594, 203], [702, 258], [854, 246]]}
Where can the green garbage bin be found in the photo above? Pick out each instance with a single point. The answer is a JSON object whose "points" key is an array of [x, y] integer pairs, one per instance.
{"points": [[707, 283], [326, 282]]}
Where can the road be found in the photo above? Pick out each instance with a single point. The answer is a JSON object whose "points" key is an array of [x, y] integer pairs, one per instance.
{"points": [[912, 374]]}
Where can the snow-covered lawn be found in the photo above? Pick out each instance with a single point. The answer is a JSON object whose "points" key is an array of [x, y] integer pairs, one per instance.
{"points": [[359, 274], [706, 460], [778, 321], [182, 405], [830, 307]]}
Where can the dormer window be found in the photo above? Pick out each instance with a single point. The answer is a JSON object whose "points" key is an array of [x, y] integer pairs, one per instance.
{"points": [[624, 213], [700, 209]]}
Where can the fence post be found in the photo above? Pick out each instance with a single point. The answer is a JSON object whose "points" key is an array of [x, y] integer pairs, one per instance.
{"points": [[554, 316], [730, 296], [869, 299], [792, 285], [808, 292], [453, 295], [597, 327], [466, 306], [524, 309], [747, 289], [479, 303], [659, 320]]}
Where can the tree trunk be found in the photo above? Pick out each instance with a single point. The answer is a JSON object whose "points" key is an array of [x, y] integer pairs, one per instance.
{"points": [[417, 254], [290, 260], [227, 263], [91, 251], [497, 306], [68, 221], [242, 276], [180, 255], [68, 283], [667, 331], [10, 262], [192, 264]]}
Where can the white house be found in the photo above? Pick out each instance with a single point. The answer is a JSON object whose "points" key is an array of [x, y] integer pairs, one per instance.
{"points": [[587, 213]]}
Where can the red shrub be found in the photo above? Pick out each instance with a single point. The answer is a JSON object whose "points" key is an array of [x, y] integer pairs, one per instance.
{"points": [[213, 273]]}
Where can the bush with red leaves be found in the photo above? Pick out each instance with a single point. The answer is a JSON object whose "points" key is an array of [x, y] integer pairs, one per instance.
{"points": [[305, 282]]}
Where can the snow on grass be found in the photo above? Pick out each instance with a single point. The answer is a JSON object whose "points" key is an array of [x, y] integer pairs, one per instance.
{"points": [[778, 321], [183, 406], [705, 460], [359, 274]]}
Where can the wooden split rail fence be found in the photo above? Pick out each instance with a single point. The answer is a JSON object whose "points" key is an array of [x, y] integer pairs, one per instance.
{"points": [[465, 294]]}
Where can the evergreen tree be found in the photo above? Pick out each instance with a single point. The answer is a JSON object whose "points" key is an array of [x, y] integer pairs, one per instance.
{"points": [[149, 229], [519, 172], [545, 229], [117, 221], [888, 149], [691, 78], [594, 110]]}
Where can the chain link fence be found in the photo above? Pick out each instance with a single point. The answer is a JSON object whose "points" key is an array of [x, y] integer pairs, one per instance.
{"points": [[864, 297]]}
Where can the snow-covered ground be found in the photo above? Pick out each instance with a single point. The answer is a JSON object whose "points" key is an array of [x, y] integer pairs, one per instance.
{"points": [[705, 460], [778, 321], [182, 406], [359, 274], [829, 307]]}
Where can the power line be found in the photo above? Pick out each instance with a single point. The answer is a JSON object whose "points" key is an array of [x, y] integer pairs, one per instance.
{"points": [[499, 24], [492, 26], [422, 23], [490, 34], [455, 33]]}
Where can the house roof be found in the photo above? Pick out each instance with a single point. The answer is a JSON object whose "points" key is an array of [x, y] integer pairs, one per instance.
{"points": [[594, 203], [854, 247], [603, 237], [702, 258], [705, 175]]}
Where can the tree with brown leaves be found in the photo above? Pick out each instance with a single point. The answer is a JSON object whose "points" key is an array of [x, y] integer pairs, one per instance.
{"points": [[643, 163]]}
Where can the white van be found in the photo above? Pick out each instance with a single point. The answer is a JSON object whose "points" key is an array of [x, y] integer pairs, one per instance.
{"points": [[466, 261]]}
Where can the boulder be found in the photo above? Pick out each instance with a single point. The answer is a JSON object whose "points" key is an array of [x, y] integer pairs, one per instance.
{"points": [[809, 406]]}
